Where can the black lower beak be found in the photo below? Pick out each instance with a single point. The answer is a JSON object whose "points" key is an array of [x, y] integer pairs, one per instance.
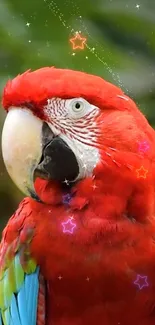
{"points": [[58, 161]]}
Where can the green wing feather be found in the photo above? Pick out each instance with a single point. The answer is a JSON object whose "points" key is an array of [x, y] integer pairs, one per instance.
{"points": [[15, 263]]}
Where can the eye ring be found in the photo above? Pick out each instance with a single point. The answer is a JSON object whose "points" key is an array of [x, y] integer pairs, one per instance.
{"points": [[78, 106]]}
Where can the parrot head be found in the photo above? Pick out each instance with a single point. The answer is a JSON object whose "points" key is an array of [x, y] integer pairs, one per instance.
{"points": [[67, 126]]}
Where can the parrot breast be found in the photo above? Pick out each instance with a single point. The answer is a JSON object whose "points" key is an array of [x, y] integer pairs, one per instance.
{"points": [[91, 262]]}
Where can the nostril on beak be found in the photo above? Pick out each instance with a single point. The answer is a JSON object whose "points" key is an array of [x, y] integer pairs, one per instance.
{"points": [[47, 137], [47, 134], [40, 171]]}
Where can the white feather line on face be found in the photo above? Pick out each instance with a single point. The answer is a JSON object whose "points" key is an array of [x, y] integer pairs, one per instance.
{"points": [[86, 155], [78, 134]]}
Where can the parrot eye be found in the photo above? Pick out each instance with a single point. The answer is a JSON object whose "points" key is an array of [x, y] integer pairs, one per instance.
{"points": [[77, 105], [77, 108]]}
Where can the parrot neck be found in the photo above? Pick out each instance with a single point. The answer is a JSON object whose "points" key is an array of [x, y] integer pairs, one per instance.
{"points": [[108, 193], [86, 194]]}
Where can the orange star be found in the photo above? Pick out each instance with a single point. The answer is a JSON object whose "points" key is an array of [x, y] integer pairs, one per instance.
{"points": [[141, 172], [78, 42]]}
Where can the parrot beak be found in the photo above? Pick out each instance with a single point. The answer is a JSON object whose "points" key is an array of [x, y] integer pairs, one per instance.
{"points": [[22, 147], [30, 149]]}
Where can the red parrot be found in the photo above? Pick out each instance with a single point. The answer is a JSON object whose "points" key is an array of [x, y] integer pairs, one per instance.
{"points": [[80, 249]]}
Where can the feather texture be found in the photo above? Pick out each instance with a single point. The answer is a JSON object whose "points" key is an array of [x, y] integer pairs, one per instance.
{"points": [[19, 307], [19, 277], [91, 273]]}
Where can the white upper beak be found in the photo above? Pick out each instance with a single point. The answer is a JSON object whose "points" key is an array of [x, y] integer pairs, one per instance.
{"points": [[22, 147]]}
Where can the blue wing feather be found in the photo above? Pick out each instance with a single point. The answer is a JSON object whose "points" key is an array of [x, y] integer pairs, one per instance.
{"points": [[31, 293], [21, 301], [23, 304], [14, 312], [35, 290]]}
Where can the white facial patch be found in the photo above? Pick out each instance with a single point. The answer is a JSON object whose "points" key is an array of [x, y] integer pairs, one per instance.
{"points": [[74, 121], [87, 156]]}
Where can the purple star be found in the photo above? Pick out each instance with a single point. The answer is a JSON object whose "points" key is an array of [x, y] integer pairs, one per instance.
{"points": [[141, 281], [70, 226], [143, 146], [66, 198]]}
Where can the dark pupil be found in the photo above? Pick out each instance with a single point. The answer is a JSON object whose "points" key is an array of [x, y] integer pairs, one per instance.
{"points": [[77, 105]]}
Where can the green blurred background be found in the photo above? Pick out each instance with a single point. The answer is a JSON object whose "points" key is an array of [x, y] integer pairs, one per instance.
{"points": [[120, 48]]}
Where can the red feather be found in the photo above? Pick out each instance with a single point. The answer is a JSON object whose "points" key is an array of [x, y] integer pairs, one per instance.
{"points": [[37, 86], [90, 274]]}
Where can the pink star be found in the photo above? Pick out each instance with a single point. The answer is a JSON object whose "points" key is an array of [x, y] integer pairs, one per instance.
{"points": [[143, 146], [141, 281], [70, 226]]}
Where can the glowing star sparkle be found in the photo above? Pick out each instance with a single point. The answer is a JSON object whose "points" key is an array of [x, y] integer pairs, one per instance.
{"points": [[141, 281], [66, 181], [141, 172], [60, 277], [78, 42], [68, 226], [94, 186]]}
